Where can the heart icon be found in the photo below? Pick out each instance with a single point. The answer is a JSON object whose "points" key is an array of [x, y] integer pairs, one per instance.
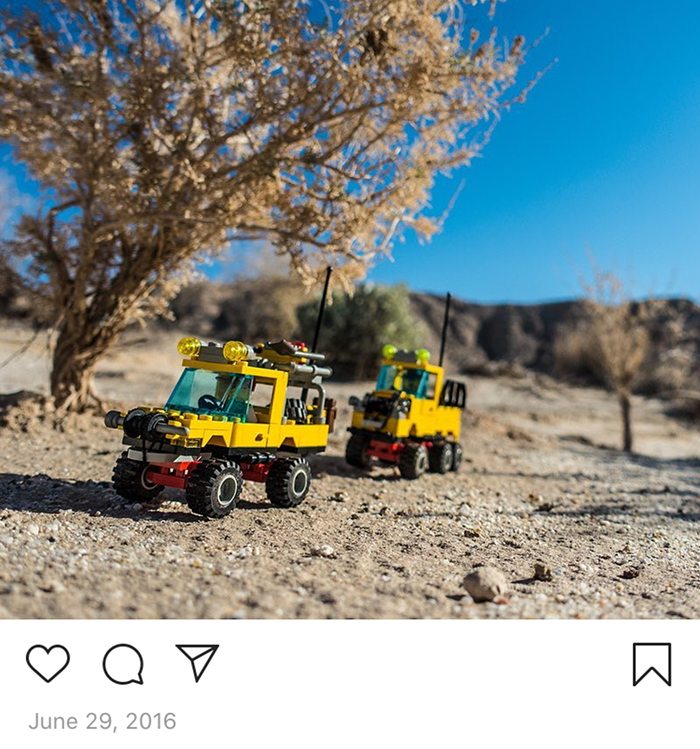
{"points": [[48, 662]]}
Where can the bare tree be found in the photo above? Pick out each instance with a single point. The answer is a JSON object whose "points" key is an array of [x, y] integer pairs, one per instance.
{"points": [[163, 129], [616, 328]]}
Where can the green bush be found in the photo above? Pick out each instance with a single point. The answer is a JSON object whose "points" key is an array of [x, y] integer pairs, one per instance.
{"points": [[356, 327]]}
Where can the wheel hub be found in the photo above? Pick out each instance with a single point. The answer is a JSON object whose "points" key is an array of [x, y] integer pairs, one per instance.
{"points": [[299, 483], [227, 490]]}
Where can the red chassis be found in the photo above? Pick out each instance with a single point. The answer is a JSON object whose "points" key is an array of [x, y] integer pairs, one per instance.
{"points": [[389, 452], [176, 475]]}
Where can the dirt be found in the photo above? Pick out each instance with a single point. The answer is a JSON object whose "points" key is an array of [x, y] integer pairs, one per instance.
{"points": [[541, 485]]}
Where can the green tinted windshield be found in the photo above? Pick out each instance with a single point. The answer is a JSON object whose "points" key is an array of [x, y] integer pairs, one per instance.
{"points": [[202, 391], [410, 381]]}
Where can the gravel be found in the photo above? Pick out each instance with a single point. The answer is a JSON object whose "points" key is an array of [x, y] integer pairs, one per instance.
{"points": [[370, 545]]}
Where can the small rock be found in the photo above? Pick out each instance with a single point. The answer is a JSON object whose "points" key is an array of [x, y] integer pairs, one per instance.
{"points": [[243, 553], [472, 532], [485, 584], [543, 572], [545, 507], [631, 572], [33, 529], [55, 586], [323, 551], [339, 497]]}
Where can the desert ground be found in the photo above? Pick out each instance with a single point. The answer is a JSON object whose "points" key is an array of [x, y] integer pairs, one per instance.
{"points": [[542, 482]]}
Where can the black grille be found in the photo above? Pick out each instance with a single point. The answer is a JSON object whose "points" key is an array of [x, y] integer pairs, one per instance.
{"points": [[296, 410]]}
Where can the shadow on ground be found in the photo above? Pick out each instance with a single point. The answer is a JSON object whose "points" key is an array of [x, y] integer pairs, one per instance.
{"points": [[334, 465], [45, 494], [604, 509], [629, 466]]}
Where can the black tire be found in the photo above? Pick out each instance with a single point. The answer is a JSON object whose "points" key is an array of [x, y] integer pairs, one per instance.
{"points": [[414, 460], [440, 457], [456, 456], [129, 480], [214, 487], [356, 452], [288, 482]]}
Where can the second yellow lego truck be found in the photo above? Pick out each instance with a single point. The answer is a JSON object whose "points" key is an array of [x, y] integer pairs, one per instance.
{"points": [[412, 418]]}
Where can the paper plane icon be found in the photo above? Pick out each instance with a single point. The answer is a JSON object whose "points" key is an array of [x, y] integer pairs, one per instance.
{"points": [[199, 656]]}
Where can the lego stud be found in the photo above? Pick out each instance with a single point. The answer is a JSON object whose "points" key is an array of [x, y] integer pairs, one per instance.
{"points": [[189, 347], [388, 351], [422, 355], [235, 351]]}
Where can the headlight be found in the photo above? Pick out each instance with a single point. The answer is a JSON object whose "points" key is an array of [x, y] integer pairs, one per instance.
{"points": [[189, 347], [235, 351], [388, 351]]}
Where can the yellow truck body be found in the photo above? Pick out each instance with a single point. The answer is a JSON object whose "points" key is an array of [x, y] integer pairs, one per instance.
{"points": [[412, 419]]}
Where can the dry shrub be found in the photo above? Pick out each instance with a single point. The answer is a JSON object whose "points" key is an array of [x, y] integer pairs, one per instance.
{"points": [[33, 413], [615, 331], [355, 327], [572, 352], [161, 132], [21, 410], [261, 309], [619, 342]]}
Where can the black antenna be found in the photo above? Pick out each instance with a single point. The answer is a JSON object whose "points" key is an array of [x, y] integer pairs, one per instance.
{"points": [[445, 323], [319, 321], [321, 309]]}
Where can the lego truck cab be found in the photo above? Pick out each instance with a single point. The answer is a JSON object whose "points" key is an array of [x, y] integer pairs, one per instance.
{"points": [[228, 419], [412, 418]]}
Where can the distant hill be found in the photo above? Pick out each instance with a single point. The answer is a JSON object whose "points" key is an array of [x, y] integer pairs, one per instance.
{"points": [[483, 338], [542, 337]]}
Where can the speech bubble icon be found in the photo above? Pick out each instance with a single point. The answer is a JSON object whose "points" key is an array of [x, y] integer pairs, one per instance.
{"points": [[123, 664]]}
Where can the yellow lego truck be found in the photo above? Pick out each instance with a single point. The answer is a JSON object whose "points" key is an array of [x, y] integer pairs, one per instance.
{"points": [[412, 419], [228, 420]]}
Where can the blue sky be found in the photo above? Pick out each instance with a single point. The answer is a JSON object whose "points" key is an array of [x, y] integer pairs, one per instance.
{"points": [[603, 158]]}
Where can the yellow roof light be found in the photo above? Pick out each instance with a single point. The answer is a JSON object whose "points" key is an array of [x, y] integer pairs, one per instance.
{"points": [[189, 347], [388, 351], [422, 355], [235, 351]]}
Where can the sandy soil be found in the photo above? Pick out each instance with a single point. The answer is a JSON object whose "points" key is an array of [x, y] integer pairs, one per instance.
{"points": [[540, 483]]}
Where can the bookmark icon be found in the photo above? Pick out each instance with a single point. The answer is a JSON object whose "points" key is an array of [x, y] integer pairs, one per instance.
{"points": [[199, 657], [651, 658]]}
